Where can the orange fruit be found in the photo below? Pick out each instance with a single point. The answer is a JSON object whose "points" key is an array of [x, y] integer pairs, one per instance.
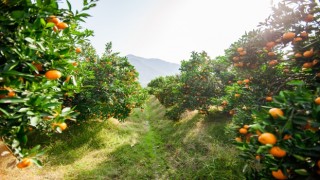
{"points": [[240, 49], [242, 53], [78, 50], [273, 63], [297, 39], [317, 100], [75, 63], [224, 103], [268, 98], [307, 65], [246, 126], [315, 61], [53, 19], [267, 138], [304, 34], [53, 74], [276, 151], [297, 55], [270, 44], [237, 95], [308, 54], [278, 174], [243, 131], [309, 18], [11, 94], [318, 163], [287, 136], [239, 82], [246, 81], [232, 112], [288, 36], [271, 54], [238, 139], [24, 163], [258, 157], [62, 25], [62, 126], [276, 112]]}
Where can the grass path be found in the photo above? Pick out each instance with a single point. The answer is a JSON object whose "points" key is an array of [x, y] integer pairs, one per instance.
{"points": [[145, 146]]}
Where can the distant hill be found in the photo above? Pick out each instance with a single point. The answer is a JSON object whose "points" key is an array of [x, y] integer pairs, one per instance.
{"points": [[151, 68]]}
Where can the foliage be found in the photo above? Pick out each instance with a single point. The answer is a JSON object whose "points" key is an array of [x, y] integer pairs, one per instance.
{"points": [[32, 44], [113, 89]]}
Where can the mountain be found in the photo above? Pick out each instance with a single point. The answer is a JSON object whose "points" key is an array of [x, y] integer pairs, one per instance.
{"points": [[151, 68]]}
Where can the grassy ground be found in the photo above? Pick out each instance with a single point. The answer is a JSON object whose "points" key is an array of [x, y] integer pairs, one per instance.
{"points": [[145, 146]]}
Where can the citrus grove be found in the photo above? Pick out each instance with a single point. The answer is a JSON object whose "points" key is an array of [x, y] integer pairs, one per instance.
{"points": [[268, 81], [49, 73]]}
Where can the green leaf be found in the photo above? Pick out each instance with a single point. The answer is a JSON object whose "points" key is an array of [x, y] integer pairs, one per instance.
{"points": [[16, 73], [4, 112], [18, 14], [295, 83], [37, 162], [23, 109], [29, 39], [34, 121], [5, 101], [302, 172], [49, 25]]}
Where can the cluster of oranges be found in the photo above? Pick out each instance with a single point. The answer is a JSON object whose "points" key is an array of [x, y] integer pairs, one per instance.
{"points": [[58, 24]]}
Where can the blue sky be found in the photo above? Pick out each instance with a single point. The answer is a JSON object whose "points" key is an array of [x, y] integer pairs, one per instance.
{"points": [[172, 29]]}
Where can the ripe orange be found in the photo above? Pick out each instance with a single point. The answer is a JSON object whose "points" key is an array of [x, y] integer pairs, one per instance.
{"points": [[268, 98], [62, 126], [62, 25], [246, 126], [307, 65], [267, 138], [276, 112], [258, 157], [273, 63], [24, 163], [53, 19], [53, 74], [270, 44], [317, 100], [78, 50], [242, 53], [271, 54], [240, 49], [308, 54], [297, 39], [287, 136], [239, 82], [276, 151], [11, 94], [246, 81], [288, 36], [75, 63], [315, 61], [237, 95], [309, 18], [278, 174], [297, 55], [243, 131], [238, 139]]}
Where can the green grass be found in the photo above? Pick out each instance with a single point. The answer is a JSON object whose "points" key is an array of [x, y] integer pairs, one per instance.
{"points": [[145, 146]]}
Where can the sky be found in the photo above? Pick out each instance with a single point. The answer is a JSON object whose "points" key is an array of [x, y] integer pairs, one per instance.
{"points": [[171, 29]]}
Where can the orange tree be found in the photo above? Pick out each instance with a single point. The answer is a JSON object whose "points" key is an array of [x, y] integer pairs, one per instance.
{"points": [[168, 91], [37, 48], [282, 141], [113, 89]]}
